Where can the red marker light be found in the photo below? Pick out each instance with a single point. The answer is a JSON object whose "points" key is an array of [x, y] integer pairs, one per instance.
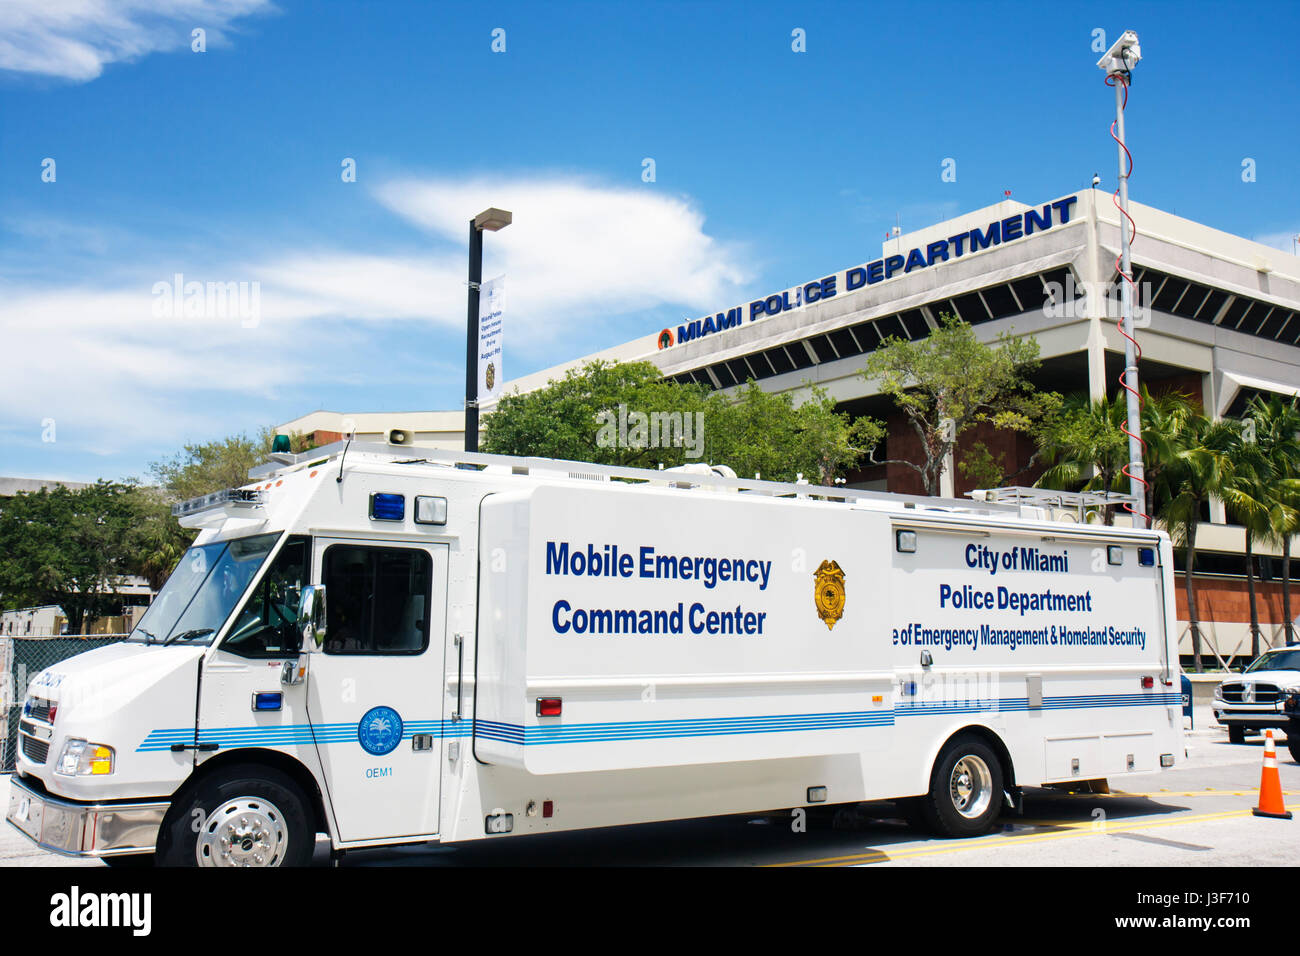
{"points": [[549, 706], [548, 808], [1148, 683]]}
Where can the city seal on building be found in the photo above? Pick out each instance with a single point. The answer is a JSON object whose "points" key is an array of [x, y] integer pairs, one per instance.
{"points": [[380, 731], [828, 592]]}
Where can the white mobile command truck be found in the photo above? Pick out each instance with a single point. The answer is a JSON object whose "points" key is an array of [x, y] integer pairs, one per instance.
{"points": [[392, 645]]}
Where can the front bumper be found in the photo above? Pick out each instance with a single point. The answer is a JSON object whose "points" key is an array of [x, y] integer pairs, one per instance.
{"points": [[83, 829], [1261, 719]]}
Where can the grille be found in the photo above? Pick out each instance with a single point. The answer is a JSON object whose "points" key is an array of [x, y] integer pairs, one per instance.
{"points": [[35, 750], [39, 709], [1263, 694]]}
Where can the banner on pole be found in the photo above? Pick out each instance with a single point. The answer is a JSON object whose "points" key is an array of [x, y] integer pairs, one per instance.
{"points": [[491, 306]]}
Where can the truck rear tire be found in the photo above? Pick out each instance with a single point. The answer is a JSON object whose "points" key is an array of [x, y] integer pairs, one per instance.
{"points": [[1236, 735], [965, 795], [246, 815]]}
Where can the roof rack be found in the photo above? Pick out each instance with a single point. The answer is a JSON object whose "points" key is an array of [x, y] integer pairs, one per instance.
{"points": [[668, 477], [1053, 502]]}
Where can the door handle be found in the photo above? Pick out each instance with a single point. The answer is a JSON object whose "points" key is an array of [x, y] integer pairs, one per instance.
{"points": [[460, 674]]}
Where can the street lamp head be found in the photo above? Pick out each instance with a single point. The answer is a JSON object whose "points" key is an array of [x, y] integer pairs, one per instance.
{"points": [[492, 220]]}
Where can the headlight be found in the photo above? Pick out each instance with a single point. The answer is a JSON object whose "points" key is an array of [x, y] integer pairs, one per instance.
{"points": [[81, 758]]}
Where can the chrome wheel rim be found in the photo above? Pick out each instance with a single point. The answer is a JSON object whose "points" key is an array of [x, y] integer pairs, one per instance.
{"points": [[246, 831], [971, 786]]}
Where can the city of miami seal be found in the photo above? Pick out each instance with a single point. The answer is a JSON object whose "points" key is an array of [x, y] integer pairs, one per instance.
{"points": [[380, 731]]}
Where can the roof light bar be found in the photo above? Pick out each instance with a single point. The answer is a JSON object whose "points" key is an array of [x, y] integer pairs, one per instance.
{"points": [[247, 497]]}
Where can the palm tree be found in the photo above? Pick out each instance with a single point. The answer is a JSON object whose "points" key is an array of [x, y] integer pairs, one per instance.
{"points": [[1289, 495], [1085, 448], [1250, 502], [158, 542], [1266, 461], [1195, 466], [1164, 424]]}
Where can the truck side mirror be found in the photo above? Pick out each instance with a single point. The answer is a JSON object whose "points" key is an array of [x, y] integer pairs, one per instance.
{"points": [[311, 617], [311, 625]]}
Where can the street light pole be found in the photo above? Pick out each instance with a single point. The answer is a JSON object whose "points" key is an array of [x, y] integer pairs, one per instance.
{"points": [[1118, 65], [490, 220], [1137, 473]]}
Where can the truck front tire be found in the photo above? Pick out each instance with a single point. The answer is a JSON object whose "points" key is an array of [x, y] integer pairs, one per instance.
{"points": [[965, 795], [246, 815], [1236, 734]]}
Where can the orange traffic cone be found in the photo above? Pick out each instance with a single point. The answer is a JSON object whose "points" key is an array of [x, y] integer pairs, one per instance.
{"points": [[1270, 785]]}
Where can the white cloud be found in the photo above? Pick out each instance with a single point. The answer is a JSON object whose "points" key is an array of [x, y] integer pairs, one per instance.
{"points": [[302, 286], [577, 249], [99, 361], [75, 39], [97, 354]]}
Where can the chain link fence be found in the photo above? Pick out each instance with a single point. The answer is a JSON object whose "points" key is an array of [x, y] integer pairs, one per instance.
{"points": [[21, 659]]}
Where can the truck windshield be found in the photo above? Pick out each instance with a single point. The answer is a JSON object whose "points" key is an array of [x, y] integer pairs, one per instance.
{"points": [[1279, 660], [202, 591]]}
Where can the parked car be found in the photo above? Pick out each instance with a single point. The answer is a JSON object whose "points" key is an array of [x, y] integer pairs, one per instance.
{"points": [[1257, 699]]}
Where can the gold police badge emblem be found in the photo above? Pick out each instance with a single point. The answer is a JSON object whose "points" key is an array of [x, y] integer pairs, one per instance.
{"points": [[828, 592]]}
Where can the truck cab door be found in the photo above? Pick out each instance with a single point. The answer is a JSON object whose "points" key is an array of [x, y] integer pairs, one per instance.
{"points": [[374, 688], [242, 701]]}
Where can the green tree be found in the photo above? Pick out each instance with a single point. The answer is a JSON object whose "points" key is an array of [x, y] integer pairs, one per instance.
{"points": [[603, 412], [212, 466], [157, 540], [1195, 465], [1085, 448], [768, 435], [572, 419], [70, 548], [950, 381], [1165, 422], [1289, 494], [835, 441], [1265, 455]]}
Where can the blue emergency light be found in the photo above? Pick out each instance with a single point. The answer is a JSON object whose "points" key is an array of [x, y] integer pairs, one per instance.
{"points": [[387, 507]]}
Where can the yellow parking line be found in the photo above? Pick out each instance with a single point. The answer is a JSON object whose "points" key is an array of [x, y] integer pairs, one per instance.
{"points": [[1195, 793], [1081, 828]]}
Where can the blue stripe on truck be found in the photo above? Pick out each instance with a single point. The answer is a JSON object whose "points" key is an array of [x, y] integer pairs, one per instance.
{"points": [[1011, 704], [700, 727], [305, 734]]}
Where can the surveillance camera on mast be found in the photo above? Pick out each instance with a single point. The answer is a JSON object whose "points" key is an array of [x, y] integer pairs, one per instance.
{"points": [[1122, 56]]}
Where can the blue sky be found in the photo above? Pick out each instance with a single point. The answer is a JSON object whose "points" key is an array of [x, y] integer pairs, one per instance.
{"points": [[772, 167]]}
